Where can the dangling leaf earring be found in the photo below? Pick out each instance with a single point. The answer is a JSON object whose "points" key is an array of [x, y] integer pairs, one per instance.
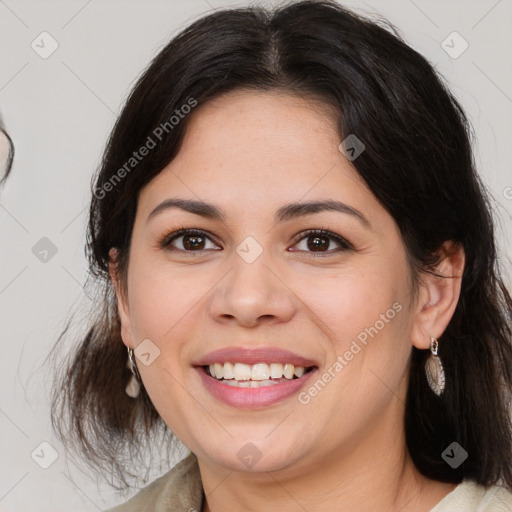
{"points": [[434, 369], [133, 387]]}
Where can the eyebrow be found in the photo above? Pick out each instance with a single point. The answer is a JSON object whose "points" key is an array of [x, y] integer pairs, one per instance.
{"points": [[285, 213]]}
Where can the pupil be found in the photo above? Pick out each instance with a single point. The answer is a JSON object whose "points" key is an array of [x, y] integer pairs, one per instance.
{"points": [[193, 242], [317, 243], [197, 242]]}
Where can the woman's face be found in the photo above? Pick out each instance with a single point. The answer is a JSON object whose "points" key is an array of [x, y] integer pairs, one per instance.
{"points": [[255, 288]]}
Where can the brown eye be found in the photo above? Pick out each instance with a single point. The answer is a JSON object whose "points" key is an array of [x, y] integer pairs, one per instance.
{"points": [[319, 241], [193, 242], [187, 240]]}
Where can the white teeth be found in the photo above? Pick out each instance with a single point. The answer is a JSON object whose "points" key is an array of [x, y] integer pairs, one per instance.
{"points": [[259, 373], [276, 370], [252, 383], [242, 371], [219, 370], [288, 371], [229, 371], [299, 371]]}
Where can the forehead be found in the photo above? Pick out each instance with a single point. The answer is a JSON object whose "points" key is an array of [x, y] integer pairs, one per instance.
{"points": [[257, 149]]}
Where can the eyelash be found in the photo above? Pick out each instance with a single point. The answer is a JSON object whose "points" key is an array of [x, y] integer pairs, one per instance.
{"points": [[323, 233], [165, 241]]}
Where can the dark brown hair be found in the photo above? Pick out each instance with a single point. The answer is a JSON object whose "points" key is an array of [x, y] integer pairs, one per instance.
{"points": [[418, 163]]}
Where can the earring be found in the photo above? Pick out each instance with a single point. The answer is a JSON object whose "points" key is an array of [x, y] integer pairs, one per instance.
{"points": [[133, 387], [434, 369]]}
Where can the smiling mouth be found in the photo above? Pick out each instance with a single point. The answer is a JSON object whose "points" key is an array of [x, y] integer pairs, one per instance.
{"points": [[257, 375]]}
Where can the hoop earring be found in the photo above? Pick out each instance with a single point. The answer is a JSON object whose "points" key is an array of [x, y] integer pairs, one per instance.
{"points": [[133, 387], [434, 369]]}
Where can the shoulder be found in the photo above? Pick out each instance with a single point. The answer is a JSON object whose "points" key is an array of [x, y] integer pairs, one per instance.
{"points": [[177, 490], [469, 496]]}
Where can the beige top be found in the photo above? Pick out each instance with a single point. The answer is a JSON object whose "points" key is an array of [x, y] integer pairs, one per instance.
{"points": [[181, 490]]}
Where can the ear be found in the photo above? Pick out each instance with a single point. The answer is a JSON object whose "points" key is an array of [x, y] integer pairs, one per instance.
{"points": [[438, 296], [121, 298]]}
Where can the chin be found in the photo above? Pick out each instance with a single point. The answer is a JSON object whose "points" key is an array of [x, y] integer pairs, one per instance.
{"points": [[254, 456]]}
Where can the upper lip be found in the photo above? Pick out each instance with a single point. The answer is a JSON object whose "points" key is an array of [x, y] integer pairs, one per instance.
{"points": [[254, 356]]}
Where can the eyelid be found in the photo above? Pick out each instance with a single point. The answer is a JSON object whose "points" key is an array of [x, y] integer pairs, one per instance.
{"points": [[165, 241], [324, 232], [327, 234]]}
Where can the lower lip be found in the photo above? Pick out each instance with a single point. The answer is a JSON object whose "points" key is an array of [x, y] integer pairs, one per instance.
{"points": [[252, 398]]}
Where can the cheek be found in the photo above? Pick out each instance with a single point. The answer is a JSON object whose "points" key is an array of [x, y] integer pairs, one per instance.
{"points": [[349, 301], [160, 298], [365, 318], [364, 315], [161, 310]]}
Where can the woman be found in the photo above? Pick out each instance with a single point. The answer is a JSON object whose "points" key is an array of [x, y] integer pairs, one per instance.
{"points": [[299, 268]]}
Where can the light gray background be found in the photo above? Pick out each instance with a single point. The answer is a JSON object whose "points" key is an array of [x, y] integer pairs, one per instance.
{"points": [[59, 112]]}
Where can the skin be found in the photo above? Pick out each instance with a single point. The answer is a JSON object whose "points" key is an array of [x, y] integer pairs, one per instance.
{"points": [[250, 153]]}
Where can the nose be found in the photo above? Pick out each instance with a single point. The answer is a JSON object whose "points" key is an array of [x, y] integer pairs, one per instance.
{"points": [[251, 294]]}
